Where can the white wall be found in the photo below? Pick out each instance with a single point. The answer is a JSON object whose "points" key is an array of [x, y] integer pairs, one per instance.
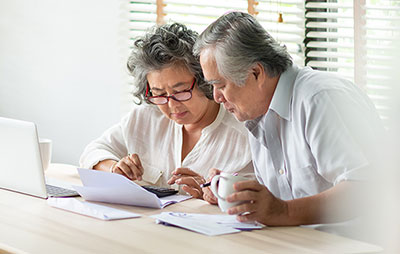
{"points": [[62, 65]]}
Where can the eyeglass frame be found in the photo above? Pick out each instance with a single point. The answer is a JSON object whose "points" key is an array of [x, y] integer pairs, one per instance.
{"points": [[172, 96]]}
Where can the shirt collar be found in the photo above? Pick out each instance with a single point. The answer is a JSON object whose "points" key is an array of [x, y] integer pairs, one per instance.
{"points": [[217, 121], [281, 100]]}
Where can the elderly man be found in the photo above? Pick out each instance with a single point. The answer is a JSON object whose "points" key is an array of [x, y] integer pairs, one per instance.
{"points": [[313, 135]]}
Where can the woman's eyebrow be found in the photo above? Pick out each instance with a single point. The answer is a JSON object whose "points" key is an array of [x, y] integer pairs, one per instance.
{"points": [[177, 85], [156, 89]]}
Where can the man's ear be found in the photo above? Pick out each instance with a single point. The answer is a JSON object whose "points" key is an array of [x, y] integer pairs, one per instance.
{"points": [[257, 70]]}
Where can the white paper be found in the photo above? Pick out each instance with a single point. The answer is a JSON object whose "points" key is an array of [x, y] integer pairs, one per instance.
{"points": [[114, 188], [210, 225], [89, 209]]}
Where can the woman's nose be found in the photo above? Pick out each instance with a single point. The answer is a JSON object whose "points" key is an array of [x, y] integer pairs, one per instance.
{"points": [[172, 102]]}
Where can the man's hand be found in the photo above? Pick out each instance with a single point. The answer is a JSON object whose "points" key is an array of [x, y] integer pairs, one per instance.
{"points": [[259, 204], [129, 166], [189, 180]]}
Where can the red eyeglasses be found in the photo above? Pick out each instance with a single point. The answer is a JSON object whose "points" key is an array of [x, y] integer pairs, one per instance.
{"points": [[179, 96]]}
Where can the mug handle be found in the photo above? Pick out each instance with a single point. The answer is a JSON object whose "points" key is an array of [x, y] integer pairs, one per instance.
{"points": [[214, 188]]}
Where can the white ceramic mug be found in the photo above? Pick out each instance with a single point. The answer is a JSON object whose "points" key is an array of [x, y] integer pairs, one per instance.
{"points": [[222, 187], [45, 152]]}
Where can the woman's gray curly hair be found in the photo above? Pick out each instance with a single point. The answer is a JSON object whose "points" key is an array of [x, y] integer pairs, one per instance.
{"points": [[161, 47]]}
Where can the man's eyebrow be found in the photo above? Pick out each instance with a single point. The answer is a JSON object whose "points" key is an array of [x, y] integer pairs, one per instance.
{"points": [[212, 82]]}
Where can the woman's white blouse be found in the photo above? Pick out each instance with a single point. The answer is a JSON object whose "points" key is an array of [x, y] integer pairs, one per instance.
{"points": [[158, 142]]}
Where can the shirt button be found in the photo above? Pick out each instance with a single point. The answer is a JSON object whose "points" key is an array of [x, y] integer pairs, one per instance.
{"points": [[281, 171]]}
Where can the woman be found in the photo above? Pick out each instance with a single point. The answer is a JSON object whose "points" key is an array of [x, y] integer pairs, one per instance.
{"points": [[181, 133]]}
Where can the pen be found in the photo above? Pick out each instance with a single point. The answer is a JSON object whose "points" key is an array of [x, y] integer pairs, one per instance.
{"points": [[205, 185], [209, 183]]}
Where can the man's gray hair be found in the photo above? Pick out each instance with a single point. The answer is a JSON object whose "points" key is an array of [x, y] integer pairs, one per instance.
{"points": [[162, 47], [238, 42]]}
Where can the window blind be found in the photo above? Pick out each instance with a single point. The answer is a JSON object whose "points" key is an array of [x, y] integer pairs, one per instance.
{"points": [[354, 38], [283, 19], [382, 33]]}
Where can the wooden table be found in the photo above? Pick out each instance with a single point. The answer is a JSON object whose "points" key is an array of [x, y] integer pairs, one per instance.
{"points": [[29, 225]]}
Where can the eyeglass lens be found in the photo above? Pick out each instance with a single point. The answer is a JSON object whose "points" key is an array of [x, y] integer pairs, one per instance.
{"points": [[180, 96]]}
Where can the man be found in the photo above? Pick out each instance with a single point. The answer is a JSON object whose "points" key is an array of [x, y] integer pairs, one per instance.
{"points": [[313, 135]]}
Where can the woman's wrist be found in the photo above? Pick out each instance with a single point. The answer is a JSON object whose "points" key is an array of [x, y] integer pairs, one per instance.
{"points": [[112, 166]]}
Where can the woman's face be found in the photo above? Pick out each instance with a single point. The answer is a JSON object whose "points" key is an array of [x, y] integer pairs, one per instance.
{"points": [[171, 80]]}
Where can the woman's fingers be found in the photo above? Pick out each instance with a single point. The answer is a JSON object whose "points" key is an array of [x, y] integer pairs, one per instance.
{"points": [[190, 181], [173, 179], [130, 166], [125, 169], [209, 196], [184, 171], [117, 170], [191, 185], [135, 159], [196, 193], [213, 172], [181, 173]]}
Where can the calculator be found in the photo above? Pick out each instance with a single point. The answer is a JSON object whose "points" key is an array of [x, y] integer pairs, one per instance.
{"points": [[160, 191]]}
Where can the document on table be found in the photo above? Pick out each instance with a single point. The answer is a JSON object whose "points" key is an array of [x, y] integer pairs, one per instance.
{"points": [[90, 209], [207, 224], [114, 188]]}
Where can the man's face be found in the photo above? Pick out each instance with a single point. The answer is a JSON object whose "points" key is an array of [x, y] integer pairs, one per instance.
{"points": [[245, 102]]}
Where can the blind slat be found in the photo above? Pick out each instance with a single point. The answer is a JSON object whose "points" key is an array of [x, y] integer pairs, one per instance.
{"points": [[269, 8], [328, 15], [323, 64], [194, 11], [329, 35], [287, 19], [282, 2], [143, 8], [323, 5], [318, 44], [328, 25], [216, 4], [329, 54]]}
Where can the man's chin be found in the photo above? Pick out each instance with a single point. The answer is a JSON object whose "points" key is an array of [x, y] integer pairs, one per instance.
{"points": [[239, 117]]}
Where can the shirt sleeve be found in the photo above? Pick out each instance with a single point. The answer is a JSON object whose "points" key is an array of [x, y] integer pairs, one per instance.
{"points": [[342, 135]]}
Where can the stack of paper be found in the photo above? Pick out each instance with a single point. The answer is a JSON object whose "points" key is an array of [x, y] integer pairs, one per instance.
{"points": [[114, 188], [207, 224]]}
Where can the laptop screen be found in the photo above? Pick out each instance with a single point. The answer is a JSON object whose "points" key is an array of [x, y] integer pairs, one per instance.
{"points": [[20, 162]]}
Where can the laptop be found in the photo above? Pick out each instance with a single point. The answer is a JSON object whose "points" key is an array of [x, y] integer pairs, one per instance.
{"points": [[21, 167]]}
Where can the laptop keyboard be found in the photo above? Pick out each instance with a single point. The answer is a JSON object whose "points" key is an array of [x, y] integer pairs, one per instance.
{"points": [[55, 191]]}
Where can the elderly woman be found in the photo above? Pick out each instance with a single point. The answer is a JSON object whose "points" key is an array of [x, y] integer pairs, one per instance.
{"points": [[180, 133]]}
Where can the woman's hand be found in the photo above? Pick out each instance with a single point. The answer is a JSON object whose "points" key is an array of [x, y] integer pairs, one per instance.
{"points": [[189, 180], [129, 166], [207, 193]]}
